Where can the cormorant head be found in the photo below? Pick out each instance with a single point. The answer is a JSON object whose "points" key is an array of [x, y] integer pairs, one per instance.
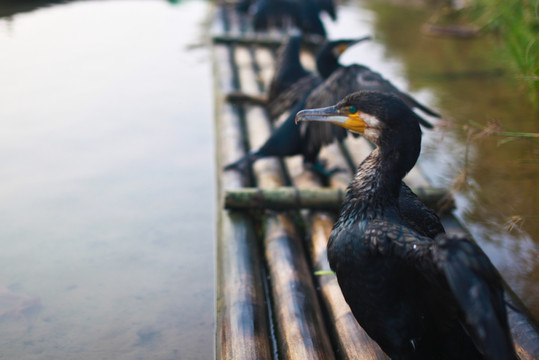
{"points": [[327, 57], [382, 118]]}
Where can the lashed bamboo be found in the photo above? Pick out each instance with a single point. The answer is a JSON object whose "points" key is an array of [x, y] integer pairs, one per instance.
{"points": [[290, 198], [242, 328], [300, 331], [262, 40], [524, 331]]}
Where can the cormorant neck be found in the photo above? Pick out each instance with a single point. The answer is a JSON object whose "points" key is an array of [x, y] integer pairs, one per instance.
{"points": [[374, 191], [292, 59], [326, 63]]}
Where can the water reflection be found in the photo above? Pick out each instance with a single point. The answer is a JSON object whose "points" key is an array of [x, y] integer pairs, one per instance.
{"points": [[107, 183], [465, 80]]}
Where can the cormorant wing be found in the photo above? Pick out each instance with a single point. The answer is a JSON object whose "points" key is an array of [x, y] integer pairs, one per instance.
{"points": [[459, 266], [294, 94], [417, 215]]}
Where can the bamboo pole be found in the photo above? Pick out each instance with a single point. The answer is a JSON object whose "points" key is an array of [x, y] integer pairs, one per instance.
{"points": [[284, 198], [290, 198], [299, 327], [264, 40], [524, 328], [242, 328]]}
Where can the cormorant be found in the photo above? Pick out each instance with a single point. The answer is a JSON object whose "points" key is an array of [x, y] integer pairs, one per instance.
{"points": [[344, 81], [286, 139], [328, 6], [292, 82], [312, 136], [288, 67], [419, 297], [304, 14]]}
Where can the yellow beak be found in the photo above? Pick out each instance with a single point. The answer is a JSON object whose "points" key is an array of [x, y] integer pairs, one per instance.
{"points": [[332, 114]]}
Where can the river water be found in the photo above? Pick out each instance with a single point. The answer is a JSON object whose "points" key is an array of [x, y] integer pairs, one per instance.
{"points": [[107, 191]]}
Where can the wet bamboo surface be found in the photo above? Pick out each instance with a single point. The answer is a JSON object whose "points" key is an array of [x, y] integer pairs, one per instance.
{"points": [[270, 305]]}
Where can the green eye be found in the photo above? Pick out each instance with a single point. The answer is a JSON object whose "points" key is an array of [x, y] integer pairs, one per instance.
{"points": [[352, 110]]}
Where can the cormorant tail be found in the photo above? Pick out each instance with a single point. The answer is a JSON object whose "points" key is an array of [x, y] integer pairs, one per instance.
{"points": [[410, 101], [239, 97], [242, 163]]}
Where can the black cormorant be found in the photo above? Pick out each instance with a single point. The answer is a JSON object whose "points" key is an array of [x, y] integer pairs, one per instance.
{"points": [[419, 297], [344, 81], [292, 82], [288, 67], [304, 14], [328, 6], [313, 135], [286, 140]]}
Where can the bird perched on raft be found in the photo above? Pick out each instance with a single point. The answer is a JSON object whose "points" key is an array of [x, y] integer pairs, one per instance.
{"points": [[280, 14], [288, 67], [292, 82], [308, 138], [285, 140], [419, 297]]}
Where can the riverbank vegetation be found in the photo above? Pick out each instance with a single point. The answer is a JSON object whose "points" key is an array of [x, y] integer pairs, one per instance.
{"points": [[516, 23]]}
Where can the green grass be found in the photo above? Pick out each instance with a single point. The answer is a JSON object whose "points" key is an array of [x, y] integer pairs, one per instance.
{"points": [[517, 23]]}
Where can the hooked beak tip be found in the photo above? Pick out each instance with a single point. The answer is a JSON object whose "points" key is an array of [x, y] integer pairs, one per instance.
{"points": [[299, 117]]}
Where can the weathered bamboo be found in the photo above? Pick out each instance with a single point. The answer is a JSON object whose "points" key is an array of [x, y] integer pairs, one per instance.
{"points": [[290, 198], [299, 326], [284, 198], [262, 40], [242, 328], [524, 328]]}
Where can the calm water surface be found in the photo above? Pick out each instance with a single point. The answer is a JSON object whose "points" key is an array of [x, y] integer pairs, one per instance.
{"points": [[464, 80], [107, 182]]}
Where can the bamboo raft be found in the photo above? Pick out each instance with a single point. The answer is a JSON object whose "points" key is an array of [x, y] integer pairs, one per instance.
{"points": [[272, 235]]}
